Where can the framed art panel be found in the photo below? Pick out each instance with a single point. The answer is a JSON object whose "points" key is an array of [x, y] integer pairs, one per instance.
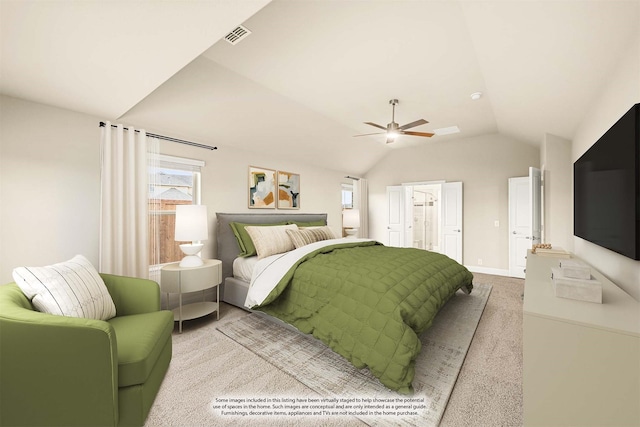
{"points": [[288, 190], [262, 188]]}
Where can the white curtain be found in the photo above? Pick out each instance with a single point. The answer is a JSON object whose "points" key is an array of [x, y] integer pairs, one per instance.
{"points": [[361, 202], [124, 223], [155, 220]]}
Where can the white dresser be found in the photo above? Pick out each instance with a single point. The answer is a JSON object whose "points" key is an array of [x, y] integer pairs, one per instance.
{"points": [[581, 359]]}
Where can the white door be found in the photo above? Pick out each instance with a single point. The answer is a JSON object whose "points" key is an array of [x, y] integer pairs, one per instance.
{"points": [[408, 216], [524, 219], [395, 215], [535, 196], [451, 214]]}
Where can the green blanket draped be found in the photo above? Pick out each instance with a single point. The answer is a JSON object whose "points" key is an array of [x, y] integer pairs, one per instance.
{"points": [[369, 303]]}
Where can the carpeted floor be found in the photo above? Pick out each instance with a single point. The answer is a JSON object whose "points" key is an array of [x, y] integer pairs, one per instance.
{"points": [[488, 391], [489, 388]]}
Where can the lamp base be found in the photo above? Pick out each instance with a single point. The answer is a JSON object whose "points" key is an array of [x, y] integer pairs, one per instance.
{"points": [[351, 232], [191, 259]]}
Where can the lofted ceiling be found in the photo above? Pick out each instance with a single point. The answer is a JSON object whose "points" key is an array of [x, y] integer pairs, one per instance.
{"points": [[312, 72]]}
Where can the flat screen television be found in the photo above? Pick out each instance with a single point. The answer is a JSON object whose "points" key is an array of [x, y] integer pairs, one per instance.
{"points": [[606, 192]]}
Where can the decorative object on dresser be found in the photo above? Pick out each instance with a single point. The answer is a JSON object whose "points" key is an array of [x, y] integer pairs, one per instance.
{"points": [[176, 279], [578, 289], [288, 190], [351, 222], [572, 278], [262, 188], [547, 250], [191, 225], [575, 269]]}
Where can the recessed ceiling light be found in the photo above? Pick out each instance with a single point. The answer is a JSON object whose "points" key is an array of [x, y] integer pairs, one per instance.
{"points": [[476, 95], [447, 131]]}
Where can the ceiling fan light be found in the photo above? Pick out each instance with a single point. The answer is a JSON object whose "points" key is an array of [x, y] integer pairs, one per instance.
{"points": [[392, 135]]}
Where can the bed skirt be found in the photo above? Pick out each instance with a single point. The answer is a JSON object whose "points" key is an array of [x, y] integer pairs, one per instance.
{"points": [[235, 292]]}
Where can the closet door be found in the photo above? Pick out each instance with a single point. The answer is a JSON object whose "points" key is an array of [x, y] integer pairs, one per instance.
{"points": [[395, 216], [451, 214]]}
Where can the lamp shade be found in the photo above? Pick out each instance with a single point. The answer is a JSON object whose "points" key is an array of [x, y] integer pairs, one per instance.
{"points": [[351, 218], [191, 223]]}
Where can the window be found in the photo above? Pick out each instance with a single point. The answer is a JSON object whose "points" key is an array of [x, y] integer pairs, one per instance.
{"points": [[347, 196], [172, 181]]}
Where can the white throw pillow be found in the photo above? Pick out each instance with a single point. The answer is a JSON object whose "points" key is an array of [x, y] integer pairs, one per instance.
{"points": [[72, 288], [271, 240]]}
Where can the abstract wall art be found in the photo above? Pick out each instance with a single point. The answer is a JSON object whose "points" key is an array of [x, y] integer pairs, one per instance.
{"points": [[262, 188], [288, 190]]}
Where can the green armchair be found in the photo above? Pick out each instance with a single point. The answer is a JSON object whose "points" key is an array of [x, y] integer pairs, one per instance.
{"points": [[57, 370]]}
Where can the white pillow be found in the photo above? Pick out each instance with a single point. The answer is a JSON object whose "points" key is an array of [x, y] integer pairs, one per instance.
{"points": [[271, 240], [72, 288]]}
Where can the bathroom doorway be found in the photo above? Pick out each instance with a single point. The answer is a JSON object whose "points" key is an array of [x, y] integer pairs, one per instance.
{"points": [[426, 217]]}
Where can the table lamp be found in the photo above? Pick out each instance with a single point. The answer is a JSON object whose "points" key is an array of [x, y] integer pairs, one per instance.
{"points": [[191, 225], [351, 221]]}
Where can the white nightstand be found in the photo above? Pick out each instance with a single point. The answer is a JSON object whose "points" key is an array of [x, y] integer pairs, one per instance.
{"points": [[180, 280]]}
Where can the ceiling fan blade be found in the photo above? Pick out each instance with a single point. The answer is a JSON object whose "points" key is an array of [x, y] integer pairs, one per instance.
{"points": [[425, 134], [413, 124], [367, 134], [378, 126]]}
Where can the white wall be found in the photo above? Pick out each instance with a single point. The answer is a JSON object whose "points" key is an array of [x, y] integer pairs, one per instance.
{"points": [[484, 165], [50, 184], [621, 92]]}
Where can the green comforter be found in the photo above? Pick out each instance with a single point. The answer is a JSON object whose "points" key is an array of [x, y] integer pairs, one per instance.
{"points": [[369, 303]]}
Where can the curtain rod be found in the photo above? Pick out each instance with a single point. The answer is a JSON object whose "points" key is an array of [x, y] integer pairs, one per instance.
{"points": [[168, 138]]}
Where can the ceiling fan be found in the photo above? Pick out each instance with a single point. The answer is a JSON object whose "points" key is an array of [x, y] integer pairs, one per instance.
{"points": [[393, 130]]}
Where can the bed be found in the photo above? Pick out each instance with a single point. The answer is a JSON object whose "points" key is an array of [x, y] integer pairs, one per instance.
{"points": [[367, 302]]}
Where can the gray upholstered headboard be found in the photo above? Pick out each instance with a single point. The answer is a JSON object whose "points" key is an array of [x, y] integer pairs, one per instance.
{"points": [[227, 244]]}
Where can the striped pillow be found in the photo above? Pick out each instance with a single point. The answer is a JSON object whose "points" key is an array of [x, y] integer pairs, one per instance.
{"points": [[306, 236], [72, 288], [271, 240]]}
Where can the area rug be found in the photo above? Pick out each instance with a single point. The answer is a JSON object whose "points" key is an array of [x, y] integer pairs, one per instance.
{"points": [[444, 347]]}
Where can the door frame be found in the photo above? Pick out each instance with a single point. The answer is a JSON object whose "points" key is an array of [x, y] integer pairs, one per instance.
{"points": [[533, 227]]}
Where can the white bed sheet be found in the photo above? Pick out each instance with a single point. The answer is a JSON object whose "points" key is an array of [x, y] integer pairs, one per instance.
{"points": [[243, 267]]}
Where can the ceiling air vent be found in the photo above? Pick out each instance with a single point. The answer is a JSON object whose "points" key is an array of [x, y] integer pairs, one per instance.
{"points": [[238, 34]]}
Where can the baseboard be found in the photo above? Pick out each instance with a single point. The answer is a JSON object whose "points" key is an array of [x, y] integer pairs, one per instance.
{"points": [[488, 270]]}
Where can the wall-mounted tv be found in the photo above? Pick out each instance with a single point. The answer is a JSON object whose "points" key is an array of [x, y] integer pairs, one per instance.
{"points": [[606, 192]]}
